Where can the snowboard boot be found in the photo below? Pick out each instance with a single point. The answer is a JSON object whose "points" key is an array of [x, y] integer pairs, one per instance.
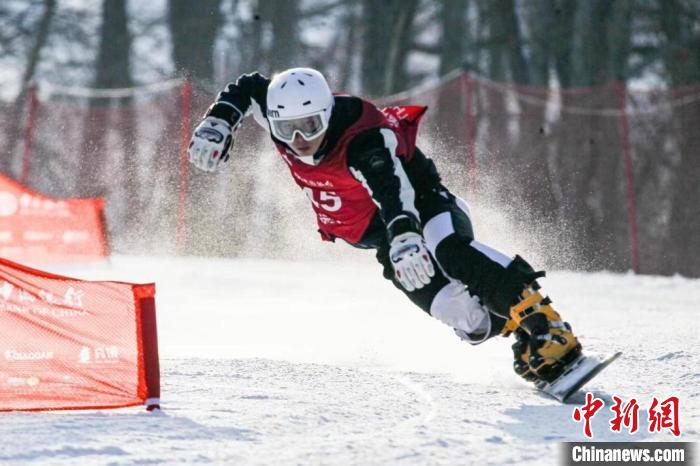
{"points": [[521, 355], [549, 344], [512, 293]]}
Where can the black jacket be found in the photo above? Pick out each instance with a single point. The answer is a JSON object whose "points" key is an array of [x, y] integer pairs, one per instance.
{"points": [[369, 159]]}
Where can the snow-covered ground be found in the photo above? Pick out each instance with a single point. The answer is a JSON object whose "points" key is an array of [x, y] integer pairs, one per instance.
{"points": [[270, 362]]}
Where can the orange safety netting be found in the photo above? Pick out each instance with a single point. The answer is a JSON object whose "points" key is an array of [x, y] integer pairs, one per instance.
{"points": [[38, 229], [69, 344]]}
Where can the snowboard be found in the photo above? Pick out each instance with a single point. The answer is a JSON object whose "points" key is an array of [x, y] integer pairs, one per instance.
{"points": [[579, 372]]}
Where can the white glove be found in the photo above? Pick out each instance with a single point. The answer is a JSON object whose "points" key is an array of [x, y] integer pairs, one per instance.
{"points": [[210, 144], [413, 266]]}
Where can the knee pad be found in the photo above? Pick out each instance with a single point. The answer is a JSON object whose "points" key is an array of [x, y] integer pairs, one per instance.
{"points": [[454, 306], [473, 338], [471, 321]]}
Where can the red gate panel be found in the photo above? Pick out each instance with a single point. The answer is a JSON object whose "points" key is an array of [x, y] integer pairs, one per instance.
{"points": [[69, 344], [40, 230]]}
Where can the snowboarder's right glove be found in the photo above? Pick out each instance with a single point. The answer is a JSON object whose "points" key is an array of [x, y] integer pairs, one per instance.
{"points": [[210, 144], [409, 257], [413, 266]]}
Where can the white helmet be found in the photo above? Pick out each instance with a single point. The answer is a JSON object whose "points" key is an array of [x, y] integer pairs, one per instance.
{"points": [[299, 100]]}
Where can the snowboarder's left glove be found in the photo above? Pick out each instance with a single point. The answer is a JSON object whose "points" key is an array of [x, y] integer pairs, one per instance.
{"points": [[210, 144], [413, 266]]}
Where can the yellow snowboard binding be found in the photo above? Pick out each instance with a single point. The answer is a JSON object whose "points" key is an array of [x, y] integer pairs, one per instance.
{"points": [[544, 343]]}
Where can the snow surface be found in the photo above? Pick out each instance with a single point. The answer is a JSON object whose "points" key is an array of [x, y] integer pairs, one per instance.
{"points": [[271, 362]]}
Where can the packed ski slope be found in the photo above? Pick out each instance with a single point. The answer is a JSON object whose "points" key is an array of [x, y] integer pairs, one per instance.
{"points": [[272, 362]]}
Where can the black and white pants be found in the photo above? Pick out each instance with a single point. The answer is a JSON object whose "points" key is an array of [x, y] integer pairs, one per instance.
{"points": [[464, 267]]}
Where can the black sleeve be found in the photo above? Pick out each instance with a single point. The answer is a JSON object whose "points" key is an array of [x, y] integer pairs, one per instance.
{"points": [[233, 103], [371, 161]]}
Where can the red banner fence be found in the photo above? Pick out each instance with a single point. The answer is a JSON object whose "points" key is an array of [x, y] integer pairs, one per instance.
{"points": [[73, 344]]}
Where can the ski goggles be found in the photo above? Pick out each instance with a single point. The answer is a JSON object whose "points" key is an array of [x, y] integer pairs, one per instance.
{"points": [[309, 127]]}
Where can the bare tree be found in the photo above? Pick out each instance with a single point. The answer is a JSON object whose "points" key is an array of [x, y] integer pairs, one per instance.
{"points": [[682, 63], [285, 34], [453, 24], [111, 71], [386, 43], [194, 25], [14, 124]]}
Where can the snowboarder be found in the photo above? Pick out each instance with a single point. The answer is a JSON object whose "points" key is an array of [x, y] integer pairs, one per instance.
{"points": [[371, 186]]}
